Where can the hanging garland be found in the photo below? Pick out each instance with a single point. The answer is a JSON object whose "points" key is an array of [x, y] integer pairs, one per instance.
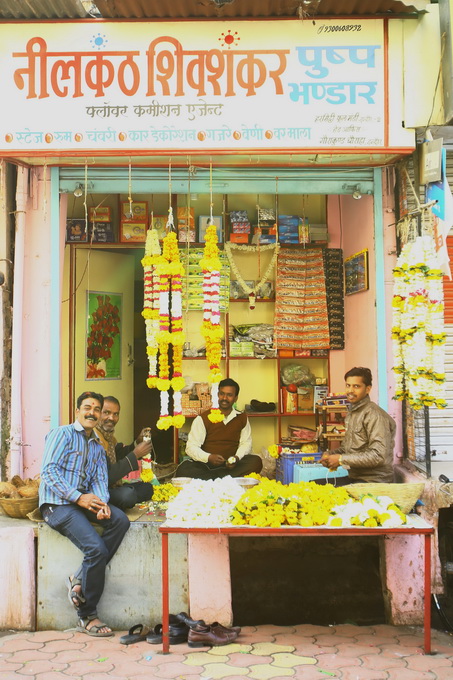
{"points": [[211, 329], [251, 292], [150, 312], [418, 325]]}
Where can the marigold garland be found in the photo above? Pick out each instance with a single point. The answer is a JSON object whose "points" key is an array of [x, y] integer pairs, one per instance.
{"points": [[211, 329], [163, 318], [418, 326]]}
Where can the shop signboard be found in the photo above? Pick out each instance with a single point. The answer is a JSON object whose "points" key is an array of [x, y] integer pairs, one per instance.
{"points": [[239, 85]]}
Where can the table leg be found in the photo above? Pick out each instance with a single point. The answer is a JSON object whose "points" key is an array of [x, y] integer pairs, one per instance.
{"points": [[165, 596], [427, 595]]}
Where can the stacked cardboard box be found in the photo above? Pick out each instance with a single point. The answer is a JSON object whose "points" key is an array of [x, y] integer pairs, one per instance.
{"points": [[333, 267]]}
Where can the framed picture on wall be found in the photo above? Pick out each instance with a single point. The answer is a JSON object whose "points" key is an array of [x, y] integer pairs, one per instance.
{"points": [[103, 338], [356, 273]]}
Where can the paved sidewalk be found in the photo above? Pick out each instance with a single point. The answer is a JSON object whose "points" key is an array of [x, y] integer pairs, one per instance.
{"points": [[269, 652]]}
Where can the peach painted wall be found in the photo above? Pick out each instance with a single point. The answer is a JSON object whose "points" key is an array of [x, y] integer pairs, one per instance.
{"points": [[36, 358], [351, 227]]}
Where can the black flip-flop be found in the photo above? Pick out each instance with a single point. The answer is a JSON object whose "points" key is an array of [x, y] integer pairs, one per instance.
{"points": [[177, 634], [137, 633]]}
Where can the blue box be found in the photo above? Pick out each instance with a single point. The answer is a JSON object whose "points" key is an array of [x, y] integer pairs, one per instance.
{"points": [[288, 220], [307, 473], [287, 462]]}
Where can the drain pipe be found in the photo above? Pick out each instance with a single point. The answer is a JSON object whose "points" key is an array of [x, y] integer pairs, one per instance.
{"points": [[16, 444]]}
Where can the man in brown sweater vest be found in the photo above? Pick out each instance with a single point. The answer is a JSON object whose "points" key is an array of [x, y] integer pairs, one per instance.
{"points": [[220, 449]]}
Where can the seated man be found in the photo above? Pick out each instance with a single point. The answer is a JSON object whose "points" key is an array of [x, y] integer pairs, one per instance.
{"points": [[220, 449], [122, 459], [367, 448], [73, 495]]}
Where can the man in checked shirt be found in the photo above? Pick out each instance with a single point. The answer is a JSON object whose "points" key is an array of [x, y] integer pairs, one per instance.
{"points": [[73, 495]]}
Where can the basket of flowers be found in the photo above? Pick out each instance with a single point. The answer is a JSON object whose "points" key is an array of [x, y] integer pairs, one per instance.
{"points": [[403, 495]]}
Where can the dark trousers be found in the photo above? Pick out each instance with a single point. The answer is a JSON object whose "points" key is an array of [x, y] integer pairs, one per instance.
{"points": [[198, 470], [76, 524], [128, 495]]}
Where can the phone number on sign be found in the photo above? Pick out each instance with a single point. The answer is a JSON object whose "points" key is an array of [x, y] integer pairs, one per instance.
{"points": [[325, 28]]}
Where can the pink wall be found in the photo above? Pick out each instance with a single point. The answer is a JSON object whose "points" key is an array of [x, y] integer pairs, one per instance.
{"points": [[351, 227], [36, 328]]}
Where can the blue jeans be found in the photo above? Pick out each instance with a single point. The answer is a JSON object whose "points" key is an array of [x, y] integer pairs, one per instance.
{"points": [[75, 523]]}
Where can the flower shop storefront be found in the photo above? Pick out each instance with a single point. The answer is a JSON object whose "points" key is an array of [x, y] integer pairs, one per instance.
{"points": [[205, 133]]}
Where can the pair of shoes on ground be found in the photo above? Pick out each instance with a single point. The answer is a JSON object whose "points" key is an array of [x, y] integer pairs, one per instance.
{"points": [[202, 634], [95, 629], [178, 633]]}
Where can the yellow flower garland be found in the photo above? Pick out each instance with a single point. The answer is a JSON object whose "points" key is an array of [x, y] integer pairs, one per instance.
{"points": [[211, 329]]}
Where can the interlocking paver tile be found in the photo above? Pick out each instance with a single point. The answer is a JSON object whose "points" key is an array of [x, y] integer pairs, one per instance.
{"points": [[27, 655], [291, 660], [11, 644], [89, 666], [442, 673], [269, 630], [314, 673], [232, 649], [267, 648], [377, 640], [48, 635], [247, 659], [428, 662], [103, 676], [354, 673], [381, 662], [62, 645], [266, 672], [353, 650], [52, 675], [223, 670], [309, 630], [336, 661], [344, 629], [174, 670], [395, 651], [411, 641], [72, 655], [6, 675], [200, 658], [42, 666], [10, 666], [388, 631], [409, 674]]}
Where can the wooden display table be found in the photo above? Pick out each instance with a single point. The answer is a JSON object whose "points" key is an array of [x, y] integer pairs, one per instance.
{"points": [[416, 526]]}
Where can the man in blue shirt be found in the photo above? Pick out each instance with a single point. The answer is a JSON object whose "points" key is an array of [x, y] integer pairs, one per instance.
{"points": [[73, 495]]}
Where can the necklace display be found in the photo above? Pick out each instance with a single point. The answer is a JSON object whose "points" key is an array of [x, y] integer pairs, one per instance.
{"points": [[251, 292]]}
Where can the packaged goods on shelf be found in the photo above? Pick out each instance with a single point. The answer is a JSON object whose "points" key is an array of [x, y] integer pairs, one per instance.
{"points": [[239, 238], [289, 401], [240, 228], [186, 235], [242, 349], [192, 289], [261, 335], [305, 398]]}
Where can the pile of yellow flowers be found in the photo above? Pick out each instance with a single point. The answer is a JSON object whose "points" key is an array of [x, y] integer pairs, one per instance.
{"points": [[164, 492], [272, 504]]}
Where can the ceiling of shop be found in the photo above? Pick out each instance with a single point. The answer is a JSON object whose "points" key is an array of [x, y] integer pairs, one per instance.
{"points": [[210, 9]]}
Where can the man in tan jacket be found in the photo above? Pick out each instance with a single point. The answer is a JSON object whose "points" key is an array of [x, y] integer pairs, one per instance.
{"points": [[367, 448]]}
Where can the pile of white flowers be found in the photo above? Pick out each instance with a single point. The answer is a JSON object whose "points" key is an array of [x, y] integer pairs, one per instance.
{"points": [[204, 503], [379, 511]]}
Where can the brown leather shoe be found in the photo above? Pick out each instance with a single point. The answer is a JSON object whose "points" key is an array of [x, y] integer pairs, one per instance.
{"points": [[235, 629], [209, 636]]}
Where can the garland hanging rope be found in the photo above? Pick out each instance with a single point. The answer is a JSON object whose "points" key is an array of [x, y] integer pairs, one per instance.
{"points": [[251, 292], [211, 329]]}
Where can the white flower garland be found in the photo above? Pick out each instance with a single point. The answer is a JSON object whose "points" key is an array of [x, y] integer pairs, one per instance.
{"points": [[418, 325], [251, 292]]}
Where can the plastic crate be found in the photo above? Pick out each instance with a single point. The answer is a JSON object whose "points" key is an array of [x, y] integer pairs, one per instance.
{"points": [[287, 461], [307, 473]]}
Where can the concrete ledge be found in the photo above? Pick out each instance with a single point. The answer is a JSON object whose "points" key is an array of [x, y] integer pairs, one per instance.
{"points": [[17, 582], [133, 589]]}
